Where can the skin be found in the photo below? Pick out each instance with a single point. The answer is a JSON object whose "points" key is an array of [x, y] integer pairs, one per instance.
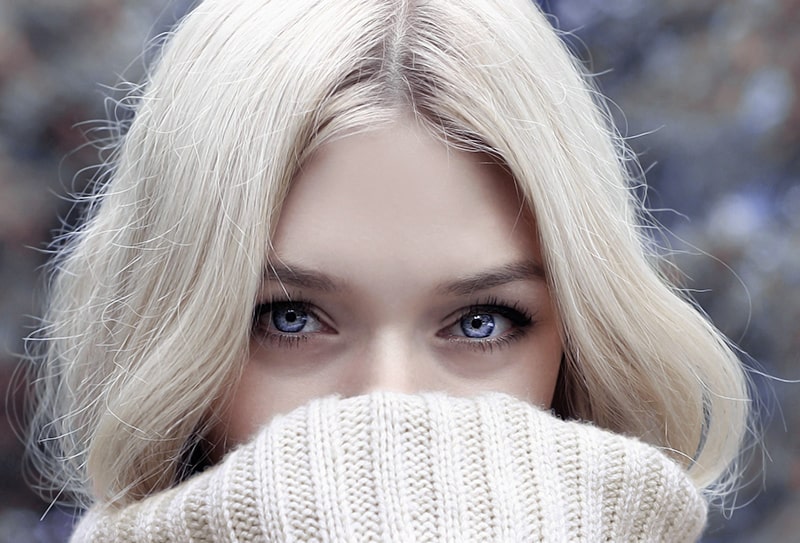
{"points": [[391, 251]]}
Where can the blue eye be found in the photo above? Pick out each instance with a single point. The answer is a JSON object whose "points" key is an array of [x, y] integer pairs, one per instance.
{"points": [[477, 326], [289, 320], [482, 325], [286, 318], [488, 324]]}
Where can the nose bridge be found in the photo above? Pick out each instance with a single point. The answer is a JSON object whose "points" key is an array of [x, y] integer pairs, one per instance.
{"points": [[392, 363]]}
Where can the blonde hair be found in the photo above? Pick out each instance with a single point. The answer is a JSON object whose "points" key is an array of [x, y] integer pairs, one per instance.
{"points": [[152, 300]]}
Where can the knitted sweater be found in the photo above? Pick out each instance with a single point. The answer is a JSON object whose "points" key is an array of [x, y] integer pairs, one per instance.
{"points": [[428, 467]]}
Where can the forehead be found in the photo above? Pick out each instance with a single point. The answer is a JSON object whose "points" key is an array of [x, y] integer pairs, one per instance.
{"points": [[399, 197]]}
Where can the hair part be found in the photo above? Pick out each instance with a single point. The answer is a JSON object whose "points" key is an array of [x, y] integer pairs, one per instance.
{"points": [[155, 291]]}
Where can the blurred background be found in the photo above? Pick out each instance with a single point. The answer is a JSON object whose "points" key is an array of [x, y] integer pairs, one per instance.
{"points": [[706, 91]]}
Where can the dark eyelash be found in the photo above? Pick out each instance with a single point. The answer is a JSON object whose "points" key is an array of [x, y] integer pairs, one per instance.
{"points": [[513, 311], [489, 345], [285, 340]]}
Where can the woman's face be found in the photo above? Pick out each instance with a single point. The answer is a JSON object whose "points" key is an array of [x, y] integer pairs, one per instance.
{"points": [[398, 264]]}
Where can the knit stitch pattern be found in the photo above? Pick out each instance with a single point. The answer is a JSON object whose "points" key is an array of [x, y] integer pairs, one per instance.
{"points": [[427, 467]]}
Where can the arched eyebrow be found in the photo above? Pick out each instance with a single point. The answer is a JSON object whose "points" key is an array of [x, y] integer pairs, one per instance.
{"points": [[297, 276], [494, 277]]}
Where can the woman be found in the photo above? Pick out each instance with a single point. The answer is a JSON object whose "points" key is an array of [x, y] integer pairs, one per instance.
{"points": [[419, 208]]}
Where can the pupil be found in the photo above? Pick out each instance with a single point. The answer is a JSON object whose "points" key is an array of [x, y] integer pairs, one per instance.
{"points": [[289, 320], [478, 326]]}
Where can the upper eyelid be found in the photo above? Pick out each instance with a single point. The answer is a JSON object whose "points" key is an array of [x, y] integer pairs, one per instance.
{"points": [[492, 305], [269, 295], [482, 281], [269, 305], [516, 323]]}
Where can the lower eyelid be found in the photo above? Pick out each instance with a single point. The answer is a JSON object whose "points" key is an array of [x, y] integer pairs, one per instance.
{"points": [[512, 334], [285, 340], [487, 344]]}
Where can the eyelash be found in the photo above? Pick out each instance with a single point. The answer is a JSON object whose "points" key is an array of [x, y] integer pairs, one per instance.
{"points": [[521, 321]]}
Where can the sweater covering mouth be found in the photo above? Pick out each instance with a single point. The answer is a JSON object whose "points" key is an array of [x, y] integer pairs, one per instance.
{"points": [[425, 467]]}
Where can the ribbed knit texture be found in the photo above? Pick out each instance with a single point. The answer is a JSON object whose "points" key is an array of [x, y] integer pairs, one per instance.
{"points": [[428, 467]]}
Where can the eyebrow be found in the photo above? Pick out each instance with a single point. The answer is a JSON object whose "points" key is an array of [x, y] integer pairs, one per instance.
{"points": [[518, 271], [298, 276]]}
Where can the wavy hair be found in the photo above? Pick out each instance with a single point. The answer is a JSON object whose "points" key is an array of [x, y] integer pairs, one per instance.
{"points": [[152, 297]]}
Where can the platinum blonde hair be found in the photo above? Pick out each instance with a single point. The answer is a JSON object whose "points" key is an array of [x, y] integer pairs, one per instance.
{"points": [[152, 299]]}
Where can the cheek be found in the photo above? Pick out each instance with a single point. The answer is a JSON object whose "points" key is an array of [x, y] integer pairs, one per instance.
{"points": [[262, 393], [528, 370], [542, 369], [251, 405]]}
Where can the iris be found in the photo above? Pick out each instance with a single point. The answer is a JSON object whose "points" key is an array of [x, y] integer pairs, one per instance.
{"points": [[289, 319], [477, 325]]}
